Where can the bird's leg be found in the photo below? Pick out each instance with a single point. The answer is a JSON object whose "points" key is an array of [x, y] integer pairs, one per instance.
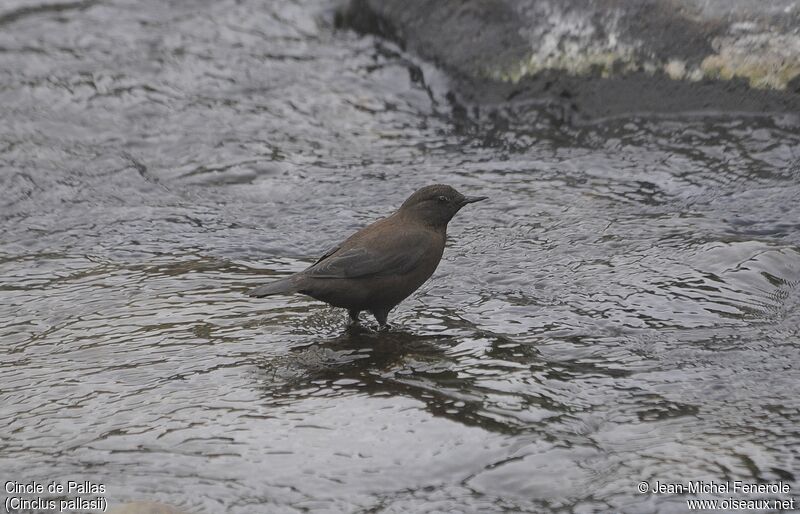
{"points": [[353, 316], [380, 316]]}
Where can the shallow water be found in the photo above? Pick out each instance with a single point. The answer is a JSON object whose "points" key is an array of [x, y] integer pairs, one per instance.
{"points": [[625, 308]]}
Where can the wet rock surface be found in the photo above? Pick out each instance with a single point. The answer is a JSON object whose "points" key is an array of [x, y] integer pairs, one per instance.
{"points": [[604, 58]]}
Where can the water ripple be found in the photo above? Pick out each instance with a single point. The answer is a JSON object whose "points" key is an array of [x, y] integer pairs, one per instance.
{"points": [[624, 308]]}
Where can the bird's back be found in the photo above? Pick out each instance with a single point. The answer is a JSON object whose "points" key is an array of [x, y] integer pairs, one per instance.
{"points": [[377, 267]]}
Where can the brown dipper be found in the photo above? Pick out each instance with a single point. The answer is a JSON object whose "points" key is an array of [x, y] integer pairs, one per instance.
{"points": [[380, 265]]}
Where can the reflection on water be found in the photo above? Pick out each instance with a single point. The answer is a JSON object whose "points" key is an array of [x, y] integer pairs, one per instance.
{"points": [[424, 367], [625, 308]]}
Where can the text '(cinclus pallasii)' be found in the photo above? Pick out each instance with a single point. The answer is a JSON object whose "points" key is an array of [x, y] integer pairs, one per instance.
{"points": [[380, 265]]}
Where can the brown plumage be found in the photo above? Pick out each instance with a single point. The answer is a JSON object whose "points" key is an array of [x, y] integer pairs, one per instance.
{"points": [[380, 265]]}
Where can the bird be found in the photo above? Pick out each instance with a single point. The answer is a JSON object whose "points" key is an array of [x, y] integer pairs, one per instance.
{"points": [[383, 263]]}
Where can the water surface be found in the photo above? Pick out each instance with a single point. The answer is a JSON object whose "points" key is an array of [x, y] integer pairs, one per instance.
{"points": [[625, 307]]}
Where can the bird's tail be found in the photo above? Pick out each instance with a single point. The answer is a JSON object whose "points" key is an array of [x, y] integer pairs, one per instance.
{"points": [[286, 285]]}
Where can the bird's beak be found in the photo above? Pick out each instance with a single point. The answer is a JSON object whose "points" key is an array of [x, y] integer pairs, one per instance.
{"points": [[472, 199]]}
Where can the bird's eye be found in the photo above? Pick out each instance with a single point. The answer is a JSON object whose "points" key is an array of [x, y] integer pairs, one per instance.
{"points": [[442, 198]]}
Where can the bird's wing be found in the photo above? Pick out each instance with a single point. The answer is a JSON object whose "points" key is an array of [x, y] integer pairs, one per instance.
{"points": [[330, 251], [393, 256]]}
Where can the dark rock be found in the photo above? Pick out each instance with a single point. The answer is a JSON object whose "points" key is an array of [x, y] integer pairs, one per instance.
{"points": [[605, 56]]}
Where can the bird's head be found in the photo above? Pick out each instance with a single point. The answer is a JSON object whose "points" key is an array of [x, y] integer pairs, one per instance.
{"points": [[437, 204]]}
